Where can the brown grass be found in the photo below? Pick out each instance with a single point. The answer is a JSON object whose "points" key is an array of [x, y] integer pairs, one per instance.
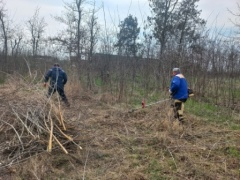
{"points": [[118, 144]]}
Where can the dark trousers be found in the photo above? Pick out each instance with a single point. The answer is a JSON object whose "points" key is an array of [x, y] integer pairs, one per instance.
{"points": [[60, 90]]}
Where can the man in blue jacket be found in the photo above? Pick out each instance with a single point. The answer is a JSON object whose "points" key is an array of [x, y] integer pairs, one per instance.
{"points": [[58, 78], [179, 92]]}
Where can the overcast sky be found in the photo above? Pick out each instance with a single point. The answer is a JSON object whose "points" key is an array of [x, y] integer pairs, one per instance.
{"points": [[214, 11]]}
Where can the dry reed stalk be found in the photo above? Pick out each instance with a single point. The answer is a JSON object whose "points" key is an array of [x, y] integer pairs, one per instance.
{"points": [[62, 120], [59, 115], [62, 147], [53, 136], [49, 149], [56, 113], [68, 137]]}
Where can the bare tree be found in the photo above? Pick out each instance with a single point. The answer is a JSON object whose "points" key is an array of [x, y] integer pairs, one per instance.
{"points": [[162, 20], [237, 15], [188, 23], [94, 30], [3, 26], [79, 11], [74, 34], [36, 26], [16, 40], [65, 40], [93, 33]]}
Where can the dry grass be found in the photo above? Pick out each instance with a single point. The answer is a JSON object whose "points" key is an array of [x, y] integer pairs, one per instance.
{"points": [[117, 144]]}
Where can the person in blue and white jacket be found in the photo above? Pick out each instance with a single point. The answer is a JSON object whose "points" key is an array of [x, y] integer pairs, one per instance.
{"points": [[179, 92], [58, 78]]}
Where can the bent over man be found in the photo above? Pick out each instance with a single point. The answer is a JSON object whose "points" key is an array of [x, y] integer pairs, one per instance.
{"points": [[58, 78], [179, 92]]}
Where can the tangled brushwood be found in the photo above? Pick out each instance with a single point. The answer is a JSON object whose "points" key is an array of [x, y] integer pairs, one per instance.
{"points": [[30, 123]]}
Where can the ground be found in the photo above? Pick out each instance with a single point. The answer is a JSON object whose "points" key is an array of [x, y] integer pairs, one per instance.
{"points": [[118, 143]]}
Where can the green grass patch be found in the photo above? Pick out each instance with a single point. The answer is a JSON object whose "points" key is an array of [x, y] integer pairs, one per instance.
{"points": [[98, 81], [237, 94], [2, 80], [135, 102], [235, 127], [234, 152], [136, 99], [154, 98], [208, 111], [155, 171]]}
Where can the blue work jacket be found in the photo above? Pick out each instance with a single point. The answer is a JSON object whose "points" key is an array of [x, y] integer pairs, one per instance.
{"points": [[58, 78], [179, 87]]}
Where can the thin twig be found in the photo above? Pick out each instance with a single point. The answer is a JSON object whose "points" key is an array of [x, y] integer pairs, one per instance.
{"points": [[23, 122], [85, 165], [15, 132], [172, 157], [29, 69]]}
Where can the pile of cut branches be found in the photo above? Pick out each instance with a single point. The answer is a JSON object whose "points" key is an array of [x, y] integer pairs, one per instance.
{"points": [[30, 122]]}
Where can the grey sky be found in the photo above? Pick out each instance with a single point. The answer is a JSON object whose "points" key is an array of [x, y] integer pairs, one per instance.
{"points": [[215, 11]]}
